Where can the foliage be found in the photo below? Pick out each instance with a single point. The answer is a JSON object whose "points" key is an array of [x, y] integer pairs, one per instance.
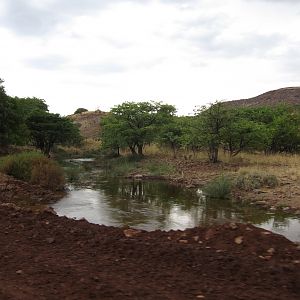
{"points": [[170, 134], [47, 173], [285, 134], [211, 121], [19, 165], [191, 138], [80, 110], [47, 129], [240, 133], [27, 106], [220, 188], [134, 124], [255, 180], [9, 117], [112, 134], [34, 168]]}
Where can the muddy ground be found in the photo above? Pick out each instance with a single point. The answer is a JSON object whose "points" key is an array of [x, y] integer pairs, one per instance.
{"points": [[43, 256], [24, 194]]}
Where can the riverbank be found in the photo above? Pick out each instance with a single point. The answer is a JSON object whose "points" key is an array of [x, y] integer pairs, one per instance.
{"points": [[44, 256], [26, 195], [197, 172]]}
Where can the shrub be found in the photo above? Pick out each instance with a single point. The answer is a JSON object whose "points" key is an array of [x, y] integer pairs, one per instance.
{"points": [[47, 173], [219, 188], [255, 180], [19, 165], [35, 168]]}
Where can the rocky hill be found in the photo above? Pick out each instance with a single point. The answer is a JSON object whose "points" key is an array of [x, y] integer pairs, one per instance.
{"points": [[89, 123], [289, 95]]}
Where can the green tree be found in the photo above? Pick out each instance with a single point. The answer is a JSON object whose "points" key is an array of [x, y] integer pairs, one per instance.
{"points": [[211, 120], [240, 133], [9, 117], [28, 106], [25, 107], [111, 134], [137, 123], [48, 129], [285, 133], [171, 134]]}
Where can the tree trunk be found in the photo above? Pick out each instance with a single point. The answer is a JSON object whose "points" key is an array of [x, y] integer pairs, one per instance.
{"points": [[132, 149], [140, 150], [213, 154]]}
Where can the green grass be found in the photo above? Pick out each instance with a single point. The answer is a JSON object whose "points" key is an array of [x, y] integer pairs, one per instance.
{"points": [[219, 188], [121, 166], [159, 169]]}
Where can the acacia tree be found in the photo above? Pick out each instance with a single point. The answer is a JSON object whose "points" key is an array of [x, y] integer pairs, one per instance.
{"points": [[137, 124], [171, 134], [210, 122], [241, 133], [111, 134], [285, 133], [47, 129]]}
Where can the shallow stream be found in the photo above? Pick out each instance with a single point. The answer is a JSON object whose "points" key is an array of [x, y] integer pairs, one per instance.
{"points": [[151, 205]]}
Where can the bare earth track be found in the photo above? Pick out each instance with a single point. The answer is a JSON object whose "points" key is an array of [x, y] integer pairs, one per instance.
{"points": [[43, 256]]}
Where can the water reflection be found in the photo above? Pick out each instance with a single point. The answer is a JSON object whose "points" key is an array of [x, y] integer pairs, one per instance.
{"points": [[153, 205]]}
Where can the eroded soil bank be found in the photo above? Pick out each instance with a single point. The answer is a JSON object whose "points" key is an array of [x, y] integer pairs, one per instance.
{"points": [[24, 194], [43, 256]]}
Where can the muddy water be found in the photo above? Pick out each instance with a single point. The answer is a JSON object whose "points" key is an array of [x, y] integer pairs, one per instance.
{"points": [[154, 205]]}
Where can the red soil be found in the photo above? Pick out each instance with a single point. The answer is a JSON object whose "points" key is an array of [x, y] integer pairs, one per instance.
{"points": [[43, 256]]}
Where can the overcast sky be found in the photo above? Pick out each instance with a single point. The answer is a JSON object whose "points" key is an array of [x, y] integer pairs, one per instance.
{"points": [[99, 53]]}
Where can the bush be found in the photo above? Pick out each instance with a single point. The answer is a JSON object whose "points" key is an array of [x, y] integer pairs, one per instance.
{"points": [[220, 188], [256, 180], [19, 165], [35, 168], [47, 173]]}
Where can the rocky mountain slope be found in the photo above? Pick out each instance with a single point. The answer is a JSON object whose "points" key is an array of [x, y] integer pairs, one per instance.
{"points": [[289, 95], [89, 123]]}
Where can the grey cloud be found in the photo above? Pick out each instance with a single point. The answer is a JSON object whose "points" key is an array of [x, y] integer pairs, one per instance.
{"points": [[247, 44], [49, 62], [207, 34], [26, 17]]}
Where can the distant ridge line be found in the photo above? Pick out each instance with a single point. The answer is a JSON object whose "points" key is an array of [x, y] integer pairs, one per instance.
{"points": [[287, 95]]}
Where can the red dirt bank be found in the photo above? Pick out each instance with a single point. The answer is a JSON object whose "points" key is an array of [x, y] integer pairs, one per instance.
{"points": [[43, 256]]}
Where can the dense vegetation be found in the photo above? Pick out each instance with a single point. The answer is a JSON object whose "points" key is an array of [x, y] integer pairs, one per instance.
{"points": [[35, 168], [26, 121], [212, 128]]}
